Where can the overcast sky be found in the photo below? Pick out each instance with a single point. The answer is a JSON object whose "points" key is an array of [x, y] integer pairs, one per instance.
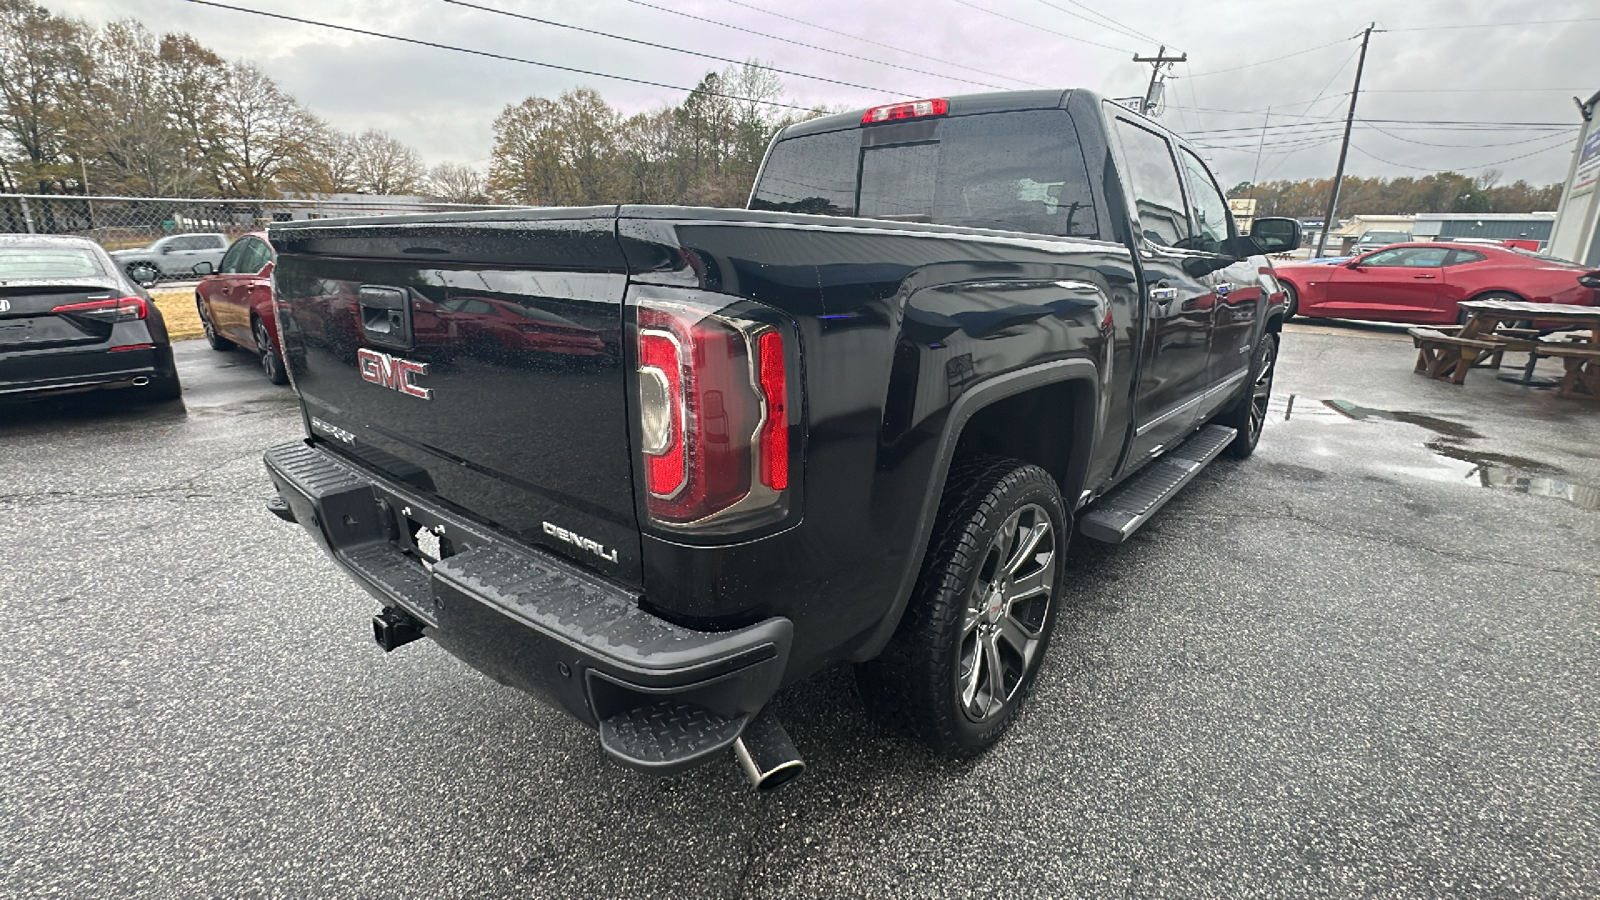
{"points": [[443, 102]]}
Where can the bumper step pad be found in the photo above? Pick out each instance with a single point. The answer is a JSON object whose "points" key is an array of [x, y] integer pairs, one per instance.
{"points": [[1120, 513], [666, 733]]}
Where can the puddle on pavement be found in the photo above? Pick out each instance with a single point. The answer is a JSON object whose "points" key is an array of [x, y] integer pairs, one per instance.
{"points": [[1464, 465], [1432, 423]]}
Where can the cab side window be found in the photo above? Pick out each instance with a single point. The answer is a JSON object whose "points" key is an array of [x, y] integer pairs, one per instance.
{"points": [[1158, 193], [1465, 256], [256, 256], [1210, 210], [1409, 257], [232, 259]]}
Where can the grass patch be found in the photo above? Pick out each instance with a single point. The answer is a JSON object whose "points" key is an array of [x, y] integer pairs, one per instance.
{"points": [[177, 308]]}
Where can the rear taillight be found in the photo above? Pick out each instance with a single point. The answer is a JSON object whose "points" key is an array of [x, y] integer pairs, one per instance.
{"points": [[121, 309], [916, 109], [715, 415]]}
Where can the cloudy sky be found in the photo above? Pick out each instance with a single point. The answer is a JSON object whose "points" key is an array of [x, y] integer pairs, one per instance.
{"points": [[1438, 64]]}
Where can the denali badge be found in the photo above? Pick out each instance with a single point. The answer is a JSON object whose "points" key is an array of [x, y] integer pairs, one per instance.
{"points": [[392, 372], [581, 542], [332, 431], [4, 304]]}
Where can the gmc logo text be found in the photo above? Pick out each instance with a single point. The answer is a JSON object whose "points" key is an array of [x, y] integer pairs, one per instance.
{"points": [[392, 372]]}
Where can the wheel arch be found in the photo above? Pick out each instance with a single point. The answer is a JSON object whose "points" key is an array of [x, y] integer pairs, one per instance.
{"points": [[982, 421]]}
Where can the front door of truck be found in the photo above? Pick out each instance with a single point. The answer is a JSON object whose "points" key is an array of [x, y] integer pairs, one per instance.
{"points": [[1175, 348]]}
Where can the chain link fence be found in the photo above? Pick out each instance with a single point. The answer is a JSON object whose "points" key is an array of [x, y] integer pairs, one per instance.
{"points": [[126, 223]]}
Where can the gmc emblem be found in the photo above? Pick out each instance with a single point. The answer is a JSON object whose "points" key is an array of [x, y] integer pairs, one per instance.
{"points": [[392, 372]]}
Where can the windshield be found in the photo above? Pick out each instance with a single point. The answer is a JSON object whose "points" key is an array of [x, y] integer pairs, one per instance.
{"points": [[1385, 237], [39, 263], [1016, 171]]}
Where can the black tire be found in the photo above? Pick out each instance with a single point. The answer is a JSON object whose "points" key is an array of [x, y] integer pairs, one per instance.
{"points": [[1291, 301], [954, 674], [1248, 413], [271, 362], [1461, 314], [144, 274], [213, 339]]}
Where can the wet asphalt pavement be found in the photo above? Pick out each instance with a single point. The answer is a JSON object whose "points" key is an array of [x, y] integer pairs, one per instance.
{"points": [[1366, 662]]}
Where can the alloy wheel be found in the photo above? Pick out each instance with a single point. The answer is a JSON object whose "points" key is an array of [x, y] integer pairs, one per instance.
{"points": [[1004, 622], [269, 356], [1261, 391]]}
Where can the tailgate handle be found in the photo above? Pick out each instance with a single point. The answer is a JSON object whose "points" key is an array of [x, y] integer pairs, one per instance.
{"points": [[386, 316]]}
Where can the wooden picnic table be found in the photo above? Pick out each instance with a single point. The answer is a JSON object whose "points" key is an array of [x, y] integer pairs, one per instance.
{"points": [[1482, 339]]}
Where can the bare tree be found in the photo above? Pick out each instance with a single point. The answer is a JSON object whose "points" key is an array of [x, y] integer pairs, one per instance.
{"points": [[139, 147], [454, 183], [43, 65], [383, 165], [260, 129], [327, 163]]}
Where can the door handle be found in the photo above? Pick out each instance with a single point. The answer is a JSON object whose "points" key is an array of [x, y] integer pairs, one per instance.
{"points": [[1423, 277]]}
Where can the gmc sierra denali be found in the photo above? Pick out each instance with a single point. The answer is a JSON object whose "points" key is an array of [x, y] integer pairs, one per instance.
{"points": [[653, 464]]}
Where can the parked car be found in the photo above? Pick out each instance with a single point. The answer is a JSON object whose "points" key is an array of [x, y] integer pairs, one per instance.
{"points": [[1374, 240], [71, 320], [1422, 283], [858, 437], [174, 256], [235, 304]]}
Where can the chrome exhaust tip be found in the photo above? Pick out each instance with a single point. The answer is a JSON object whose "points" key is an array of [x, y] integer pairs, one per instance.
{"points": [[141, 381], [765, 753]]}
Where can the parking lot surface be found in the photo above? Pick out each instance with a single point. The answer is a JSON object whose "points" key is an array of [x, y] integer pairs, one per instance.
{"points": [[1365, 662]]}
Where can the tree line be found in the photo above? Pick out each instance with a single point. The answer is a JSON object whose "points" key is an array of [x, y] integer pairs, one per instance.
{"points": [[121, 110], [1441, 192]]}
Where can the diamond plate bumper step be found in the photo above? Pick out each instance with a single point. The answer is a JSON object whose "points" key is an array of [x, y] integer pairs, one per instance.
{"points": [[1121, 512]]}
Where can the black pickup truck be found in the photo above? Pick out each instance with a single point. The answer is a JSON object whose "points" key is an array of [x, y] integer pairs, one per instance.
{"points": [[653, 464]]}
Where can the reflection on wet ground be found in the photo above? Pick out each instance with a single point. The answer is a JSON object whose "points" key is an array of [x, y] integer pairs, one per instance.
{"points": [[1455, 460]]}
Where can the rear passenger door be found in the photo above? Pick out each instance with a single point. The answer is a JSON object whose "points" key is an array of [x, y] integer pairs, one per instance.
{"points": [[1176, 339], [1237, 304]]}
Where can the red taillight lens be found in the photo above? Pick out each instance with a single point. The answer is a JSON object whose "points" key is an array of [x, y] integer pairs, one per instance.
{"points": [[774, 447], [714, 420], [122, 309], [916, 109]]}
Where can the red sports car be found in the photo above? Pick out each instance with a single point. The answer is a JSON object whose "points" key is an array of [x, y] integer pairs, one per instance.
{"points": [[235, 304], [1421, 283]]}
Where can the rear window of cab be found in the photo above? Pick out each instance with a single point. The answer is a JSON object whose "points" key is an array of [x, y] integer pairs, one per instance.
{"points": [[42, 263], [1016, 171]]}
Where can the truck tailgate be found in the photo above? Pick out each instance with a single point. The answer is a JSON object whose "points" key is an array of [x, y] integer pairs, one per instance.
{"points": [[479, 362]]}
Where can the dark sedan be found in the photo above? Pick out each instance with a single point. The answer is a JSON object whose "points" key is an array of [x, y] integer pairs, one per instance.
{"points": [[71, 320]]}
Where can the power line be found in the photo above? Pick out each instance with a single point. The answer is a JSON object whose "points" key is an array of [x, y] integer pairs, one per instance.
{"points": [[1115, 26], [1497, 24], [1274, 59], [869, 59], [1430, 144], [1473, 90], [1070, 37], [489, 55], [618, 37], [1563, 139]]}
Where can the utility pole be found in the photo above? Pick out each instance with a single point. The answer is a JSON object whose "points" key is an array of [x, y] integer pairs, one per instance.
{"points": [[1344, 147], [1260, 147], [1156, 62]]}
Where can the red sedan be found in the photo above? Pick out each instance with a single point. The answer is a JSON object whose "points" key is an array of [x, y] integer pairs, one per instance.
{"points": [[235, 304], [1422, 283]]}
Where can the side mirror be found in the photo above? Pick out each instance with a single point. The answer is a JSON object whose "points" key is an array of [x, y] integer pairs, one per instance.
{"points": [[1275, 235], [203, 268], [165, 250]]}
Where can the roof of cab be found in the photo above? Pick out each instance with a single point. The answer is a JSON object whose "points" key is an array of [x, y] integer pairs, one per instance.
{"points": [[960, 105]]}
